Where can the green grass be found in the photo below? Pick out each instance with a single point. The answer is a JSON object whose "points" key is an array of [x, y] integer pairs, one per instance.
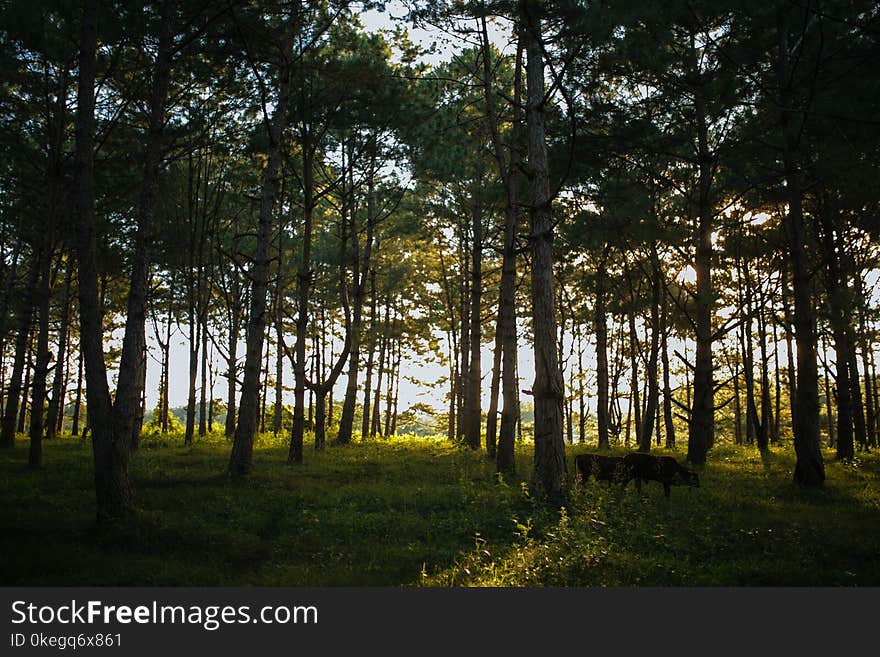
{"points": [[420, 512]]}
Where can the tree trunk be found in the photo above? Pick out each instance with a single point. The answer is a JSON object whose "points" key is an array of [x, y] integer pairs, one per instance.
{"points": [[129, 385], [601, 328], [383, 351], [701, 430], [550, 465], [77, 403], [472, 407], [368, 381], [635, 403], [26, 386], [809, 469], [494, 390], [203, 392], [13, 393], [506, 341], [304, 282], [360, 272], [279, 337], [55, 414], [651, 373], [241, 458], [110, 448], [231, 375], [41, 366], [667, 388]]}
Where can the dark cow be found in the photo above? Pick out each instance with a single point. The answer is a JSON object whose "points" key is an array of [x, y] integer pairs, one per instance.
{"points": [[603, 468], [665, 469]]}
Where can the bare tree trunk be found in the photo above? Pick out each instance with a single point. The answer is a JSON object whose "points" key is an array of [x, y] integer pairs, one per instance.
{"points": [[14, 392], [203, 393], [383, 350], [494, 390], [601, 328], [810, 468], [550, 466], [359, 273], [129, 385], [41, 366], [368, 382], [231, 375], [832, 435], [26, 386], [651, 373], [241, 458], [635, 403], [56, 403], [110, 449], [304, 281], [279, 337], [77, 403], [737, 409], [667, 387], [701, 430], [472, 410], [506, 341]]}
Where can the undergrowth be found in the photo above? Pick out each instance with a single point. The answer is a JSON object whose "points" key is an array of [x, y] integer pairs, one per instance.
{"points": [[420, 512]]}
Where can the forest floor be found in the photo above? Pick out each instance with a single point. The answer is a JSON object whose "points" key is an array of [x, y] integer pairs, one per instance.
{"points": [[411, 512]]}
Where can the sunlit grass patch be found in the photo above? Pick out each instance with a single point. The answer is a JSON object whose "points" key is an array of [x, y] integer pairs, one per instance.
{"points": [[415, 511]]}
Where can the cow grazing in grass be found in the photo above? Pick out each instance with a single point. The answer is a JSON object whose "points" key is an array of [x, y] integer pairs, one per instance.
{"points": [[603, 468], [664, 469]]}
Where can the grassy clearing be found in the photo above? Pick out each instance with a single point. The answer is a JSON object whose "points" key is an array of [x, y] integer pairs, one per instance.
{"points": [[420, 512]]}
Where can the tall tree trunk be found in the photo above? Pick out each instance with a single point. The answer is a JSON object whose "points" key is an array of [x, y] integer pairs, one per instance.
{"points": [[777, 386], [506, 329], [194, 340], [41, 366], [231, 375], [56, 403], [494, 390], [77, 401], [737, 410], [582, 413], [870, 410], [635, 403], [701, 429], [279, 337], [203, 392], [839, 314], [241, 458], [360, 272], [13, 393], [26, 386], [129, 384], [164, 409], [832, 435], [472, 410], [383, 351], [550, 466], [303, 290], [667, 387], [764, 436], [601, 329], [371, 346], [810, 468], [110, 448], [651, 373]]}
